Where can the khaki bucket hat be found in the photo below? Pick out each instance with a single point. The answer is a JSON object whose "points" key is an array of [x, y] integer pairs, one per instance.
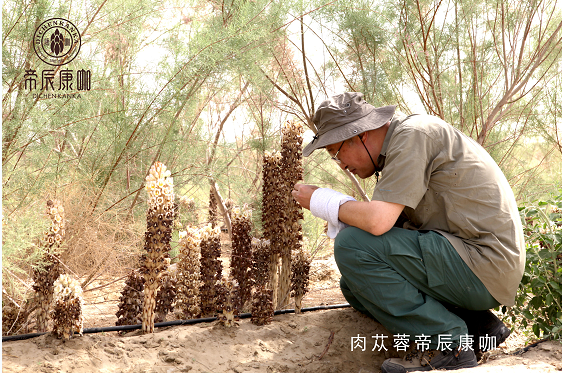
{"points": [[344, 116]]}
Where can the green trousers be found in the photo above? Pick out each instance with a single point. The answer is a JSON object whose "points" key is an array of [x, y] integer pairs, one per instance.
{"points": [[404, 278]]}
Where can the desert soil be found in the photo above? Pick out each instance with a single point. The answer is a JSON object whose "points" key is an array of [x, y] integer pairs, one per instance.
{"points": [[318, 341]]}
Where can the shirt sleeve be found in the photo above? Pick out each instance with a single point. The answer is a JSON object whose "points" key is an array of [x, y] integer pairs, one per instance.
{"points": [[408, 166]]}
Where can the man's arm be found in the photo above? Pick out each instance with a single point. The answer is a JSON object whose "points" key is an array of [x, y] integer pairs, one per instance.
{"points": [[375, 217]]}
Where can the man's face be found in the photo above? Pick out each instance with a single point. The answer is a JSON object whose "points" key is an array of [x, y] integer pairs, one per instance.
{"points": [[352, 156]]}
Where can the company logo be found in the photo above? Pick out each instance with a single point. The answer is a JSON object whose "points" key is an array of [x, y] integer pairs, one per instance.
{"points": [[56, 41]]}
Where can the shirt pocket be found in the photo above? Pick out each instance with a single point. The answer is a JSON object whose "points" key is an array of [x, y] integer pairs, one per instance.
{"points": [[430, 244]]}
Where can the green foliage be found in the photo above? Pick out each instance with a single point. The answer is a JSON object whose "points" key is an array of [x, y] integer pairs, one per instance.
{"points": [[20, 250], [471, 63], [539, 299], [362, 44]]}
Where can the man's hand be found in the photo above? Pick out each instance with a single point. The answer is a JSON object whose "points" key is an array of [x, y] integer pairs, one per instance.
{"points": [[302, 193]]}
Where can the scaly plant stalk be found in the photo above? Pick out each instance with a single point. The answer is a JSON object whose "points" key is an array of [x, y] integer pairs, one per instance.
{"points": [[130, 305], [228, 301], [14, 316], [166, 296], [189, 274], [189, 208], [213, 209], [262, 305], [272, 217], [291, 173], [67, 313], [211, 270], [158, 234], [300, 265], [45, 273], [241, 258]]}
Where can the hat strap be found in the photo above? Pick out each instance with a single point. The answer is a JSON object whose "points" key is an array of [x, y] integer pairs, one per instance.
{"points": [[376, 172]]}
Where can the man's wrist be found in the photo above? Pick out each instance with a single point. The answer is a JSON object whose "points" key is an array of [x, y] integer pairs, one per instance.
{"points": [[324, 203]]}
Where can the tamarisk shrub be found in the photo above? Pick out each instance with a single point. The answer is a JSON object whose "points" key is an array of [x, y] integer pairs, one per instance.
{"points": [[272, 218], [262, 304], [241, 259], [158, 234], [300, 265], [291, 173], [130, 303], [229, 205], [211, 270], [45, 273], [67, 311], [189, 275]]}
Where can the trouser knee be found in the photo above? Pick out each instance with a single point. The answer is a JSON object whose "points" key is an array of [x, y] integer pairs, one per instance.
{"points": [[344, 252], [353, 245]]}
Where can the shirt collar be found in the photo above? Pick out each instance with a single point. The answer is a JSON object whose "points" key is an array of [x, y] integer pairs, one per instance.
{"points": [[398, 118]]}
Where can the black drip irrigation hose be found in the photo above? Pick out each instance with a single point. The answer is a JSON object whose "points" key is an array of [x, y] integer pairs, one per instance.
{"points": [[526, 348], [172, 323]]}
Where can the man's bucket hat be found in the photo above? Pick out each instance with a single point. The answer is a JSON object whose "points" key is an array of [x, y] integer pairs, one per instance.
{"points": [[344, 116]]}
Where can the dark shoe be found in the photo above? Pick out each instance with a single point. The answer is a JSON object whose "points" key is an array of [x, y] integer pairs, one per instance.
{"points": [[479, 324], [491, 325], [430, 360]]}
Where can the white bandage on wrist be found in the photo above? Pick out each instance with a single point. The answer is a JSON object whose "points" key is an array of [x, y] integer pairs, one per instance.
{"points": [[325, 204]]}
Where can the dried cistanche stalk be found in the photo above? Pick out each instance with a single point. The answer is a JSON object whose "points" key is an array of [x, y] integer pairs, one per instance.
{"points": [[166, 296], [262, 304], [262, 307], [228, 301], [45, 274], [189, 275], [130, 303], [272, 213], [300, 263], [211, 270], [213, 209], [67, 311], [241, 259], [261, 253], [14, 317], [189, 210], [291, 173], [158, 234]]}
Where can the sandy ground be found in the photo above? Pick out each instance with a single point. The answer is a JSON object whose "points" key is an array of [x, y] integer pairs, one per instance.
{"points": [[318, 341]]}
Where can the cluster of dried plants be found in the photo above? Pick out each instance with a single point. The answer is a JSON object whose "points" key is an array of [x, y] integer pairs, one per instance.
{"points": [[260, 269]]}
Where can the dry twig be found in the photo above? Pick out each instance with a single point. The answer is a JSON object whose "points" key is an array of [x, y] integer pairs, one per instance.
{"points": [[330, 340]]}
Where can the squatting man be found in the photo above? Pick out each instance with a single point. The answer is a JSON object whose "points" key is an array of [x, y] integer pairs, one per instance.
{"points": [[441, 241]]}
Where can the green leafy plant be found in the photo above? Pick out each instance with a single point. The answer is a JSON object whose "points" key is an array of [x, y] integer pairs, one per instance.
{"points": [[20, 249], [539, 299]]}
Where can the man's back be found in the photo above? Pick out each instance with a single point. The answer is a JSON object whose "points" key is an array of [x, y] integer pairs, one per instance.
{"points": [[451, 185]]}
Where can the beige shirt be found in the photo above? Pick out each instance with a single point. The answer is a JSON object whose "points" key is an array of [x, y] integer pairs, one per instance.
{"points": [[451, 185]]}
